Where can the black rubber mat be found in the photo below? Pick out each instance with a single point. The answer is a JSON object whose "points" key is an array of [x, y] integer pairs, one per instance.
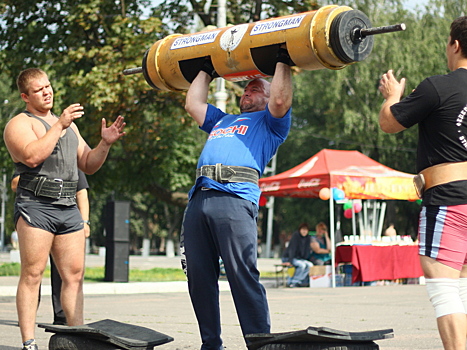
{"points": [[317, 346], [318, 335], [123, 335]]}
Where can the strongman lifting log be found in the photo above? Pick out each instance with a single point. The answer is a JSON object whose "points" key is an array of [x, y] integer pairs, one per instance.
{"points": [[332, 37]]}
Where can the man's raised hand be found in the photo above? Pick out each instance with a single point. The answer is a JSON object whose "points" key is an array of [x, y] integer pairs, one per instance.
{"points": [[114, 132]]}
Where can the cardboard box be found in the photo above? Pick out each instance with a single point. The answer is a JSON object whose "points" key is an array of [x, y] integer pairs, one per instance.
{"points": [[322, 280], [319, 270]]}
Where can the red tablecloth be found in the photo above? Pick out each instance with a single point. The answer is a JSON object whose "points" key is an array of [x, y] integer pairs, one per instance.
{"points": [[373, 263]]}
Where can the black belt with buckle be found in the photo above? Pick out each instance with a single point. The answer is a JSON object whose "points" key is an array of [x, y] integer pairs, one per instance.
{"points": [[42, 186], [228, 173]]}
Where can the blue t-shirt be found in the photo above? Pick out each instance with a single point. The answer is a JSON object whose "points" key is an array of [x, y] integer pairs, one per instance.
{"points": [[249, 140], [322, 244]]}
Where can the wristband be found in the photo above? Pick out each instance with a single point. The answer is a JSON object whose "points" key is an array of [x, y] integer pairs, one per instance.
{"points": [[209, 69], [87, 222], [284, 57]]}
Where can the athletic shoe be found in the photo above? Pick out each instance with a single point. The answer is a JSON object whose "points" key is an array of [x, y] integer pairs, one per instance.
{"points": [[30, 345]]}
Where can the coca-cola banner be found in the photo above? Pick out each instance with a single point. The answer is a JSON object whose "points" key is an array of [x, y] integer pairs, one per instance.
{"points": [[359, 176]]}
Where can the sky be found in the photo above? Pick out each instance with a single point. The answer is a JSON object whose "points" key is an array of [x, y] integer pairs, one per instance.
{"points": [[411, 4]]}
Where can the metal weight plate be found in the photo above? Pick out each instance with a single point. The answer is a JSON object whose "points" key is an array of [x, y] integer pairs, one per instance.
{"points": [[345, 38], [146, 75]]}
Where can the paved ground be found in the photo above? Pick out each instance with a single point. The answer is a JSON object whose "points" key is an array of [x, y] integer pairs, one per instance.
{"points": [[167, 309]]}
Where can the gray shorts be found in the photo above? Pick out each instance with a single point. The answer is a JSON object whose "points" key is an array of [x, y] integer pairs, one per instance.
{"points": [[57, 219]]}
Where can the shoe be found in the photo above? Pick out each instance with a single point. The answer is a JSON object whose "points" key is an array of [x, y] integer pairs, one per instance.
{"points": [[30, 345], [61, 321], [293, 285]]}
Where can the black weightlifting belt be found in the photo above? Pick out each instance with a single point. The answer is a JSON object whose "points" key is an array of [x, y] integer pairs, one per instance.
{"points": [[45, 187], [228, 173]]}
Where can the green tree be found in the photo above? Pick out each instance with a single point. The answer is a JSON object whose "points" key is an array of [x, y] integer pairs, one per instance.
{"points": [[10, 104], [85, 45], [339, 109], [178, 11]]}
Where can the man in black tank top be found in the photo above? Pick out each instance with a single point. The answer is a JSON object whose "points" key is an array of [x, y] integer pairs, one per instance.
{"points": [[439, 107], [47, 151]]}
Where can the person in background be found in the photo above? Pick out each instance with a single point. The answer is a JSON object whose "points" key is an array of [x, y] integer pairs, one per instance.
{"points": [[298, 253], [221, 217], [47, 151], [82, 202], [321, 246], [390, 231], [439, 106], [14, 240]]}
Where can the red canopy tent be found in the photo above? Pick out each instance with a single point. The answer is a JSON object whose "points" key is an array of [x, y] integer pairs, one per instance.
{"points": [[359, 176]]}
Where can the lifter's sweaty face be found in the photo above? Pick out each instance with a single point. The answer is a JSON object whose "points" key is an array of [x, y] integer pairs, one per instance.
{"points": [[255, 96]]}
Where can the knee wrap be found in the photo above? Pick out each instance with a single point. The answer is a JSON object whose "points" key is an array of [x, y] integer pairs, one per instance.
{"points": [[445, 296], [463, 291]]}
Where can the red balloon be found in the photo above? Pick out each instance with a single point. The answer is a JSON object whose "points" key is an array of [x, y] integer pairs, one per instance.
{"points": [[324, 193], [262, 201], [348, 213]]}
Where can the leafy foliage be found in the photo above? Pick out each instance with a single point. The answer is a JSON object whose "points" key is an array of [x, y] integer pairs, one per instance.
{"points": [[238, 11], [84, 46], [339, 109]]}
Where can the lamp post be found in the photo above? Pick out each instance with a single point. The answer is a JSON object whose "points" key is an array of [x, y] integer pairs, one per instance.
{"points": [[270, 206], [221, 95], [2, 212]]}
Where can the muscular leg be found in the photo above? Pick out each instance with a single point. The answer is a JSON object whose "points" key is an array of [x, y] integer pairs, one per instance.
{"points": [[463, 287], [68, 254], [453, 327], [34, 250]]}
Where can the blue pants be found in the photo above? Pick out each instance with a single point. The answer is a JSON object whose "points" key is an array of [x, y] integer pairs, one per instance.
{"points": [[302, 268], [221, 224]]}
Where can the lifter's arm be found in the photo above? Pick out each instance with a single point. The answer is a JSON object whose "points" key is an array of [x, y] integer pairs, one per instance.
{"points": [[281, 93], [197, 96]]}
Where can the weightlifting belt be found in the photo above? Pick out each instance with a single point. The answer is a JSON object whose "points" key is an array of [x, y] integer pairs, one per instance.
{"points": [[440, 174], [42, 186], [228, 173]]}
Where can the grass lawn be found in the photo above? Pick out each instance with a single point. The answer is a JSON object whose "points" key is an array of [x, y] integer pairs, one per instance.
{"points": [[96, 274]]}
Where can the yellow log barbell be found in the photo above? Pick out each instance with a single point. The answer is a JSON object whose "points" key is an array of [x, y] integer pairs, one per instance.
{"points": [[332, 37]]}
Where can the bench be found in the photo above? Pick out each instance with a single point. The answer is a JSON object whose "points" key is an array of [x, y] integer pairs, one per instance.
{"points": [[281, 271]]}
